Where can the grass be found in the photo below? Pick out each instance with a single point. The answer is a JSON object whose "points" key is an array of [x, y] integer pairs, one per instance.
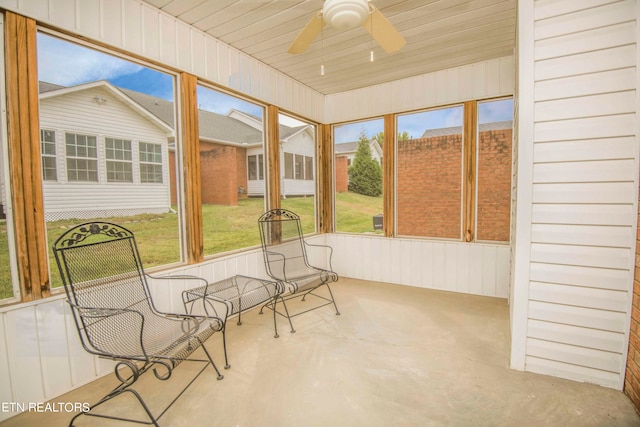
{"points": [[225, 228]]}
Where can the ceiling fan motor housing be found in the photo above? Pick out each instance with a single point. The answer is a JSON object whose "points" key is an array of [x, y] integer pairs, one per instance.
{"points": [[345, 14]]}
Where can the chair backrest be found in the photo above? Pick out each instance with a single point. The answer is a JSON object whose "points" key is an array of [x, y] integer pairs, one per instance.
{"points": [[101, 267], [281, 233]]}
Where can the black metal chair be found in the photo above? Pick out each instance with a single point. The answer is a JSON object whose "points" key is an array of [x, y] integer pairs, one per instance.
{"points": [[115, 315], [286, 261]]}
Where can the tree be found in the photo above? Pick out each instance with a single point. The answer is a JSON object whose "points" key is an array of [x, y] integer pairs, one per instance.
{"points": [[402, 136], [365, 174]]}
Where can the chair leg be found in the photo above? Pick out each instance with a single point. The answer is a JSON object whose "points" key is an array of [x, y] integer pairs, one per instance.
{"points": [[224, 347], [333, 299], [286, 310]]}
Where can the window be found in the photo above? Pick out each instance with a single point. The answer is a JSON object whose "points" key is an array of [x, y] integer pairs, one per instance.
{"points": [[358, 195], [308, 168], [91, 121], [82, 157], [429, 173], [298, 166], [48, 151], [288, 166], [119, 166], [256, 167], [494, 140], [150, 163], [232, 175], [297, 174]]}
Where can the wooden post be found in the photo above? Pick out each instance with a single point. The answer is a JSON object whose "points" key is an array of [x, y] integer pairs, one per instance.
{"points": [[469, 183], [388, 175], [325, 179], [273, 158], [190, 141], [24, 156]]}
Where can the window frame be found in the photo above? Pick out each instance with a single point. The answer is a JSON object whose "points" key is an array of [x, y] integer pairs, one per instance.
{"points": [[147, 163], [76, 158], [48, 156], [111, 162]]}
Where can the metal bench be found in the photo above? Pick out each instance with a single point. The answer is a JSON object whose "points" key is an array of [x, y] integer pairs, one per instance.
{"points": [[115, 315], [232, 296]]}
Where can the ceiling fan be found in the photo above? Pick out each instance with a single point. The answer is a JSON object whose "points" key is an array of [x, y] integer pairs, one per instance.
{"points": [[347, 14]]}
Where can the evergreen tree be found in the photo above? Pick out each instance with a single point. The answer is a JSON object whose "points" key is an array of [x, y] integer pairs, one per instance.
{"points": [[365, 174]]}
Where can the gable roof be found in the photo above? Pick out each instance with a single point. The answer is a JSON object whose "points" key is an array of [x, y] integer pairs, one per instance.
{"points": [[50, 90], [212, 126]]}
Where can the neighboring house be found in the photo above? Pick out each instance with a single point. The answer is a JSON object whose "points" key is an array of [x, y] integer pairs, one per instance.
{"points": [[232, 153], [344, 154], [94, 168]]}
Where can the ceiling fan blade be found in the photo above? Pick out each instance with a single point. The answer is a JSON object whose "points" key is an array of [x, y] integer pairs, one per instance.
{"points": [[383, 31], [307, 35]]}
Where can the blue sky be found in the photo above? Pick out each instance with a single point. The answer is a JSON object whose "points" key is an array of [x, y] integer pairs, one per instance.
{"points": [[69, 64], [416, 123]]}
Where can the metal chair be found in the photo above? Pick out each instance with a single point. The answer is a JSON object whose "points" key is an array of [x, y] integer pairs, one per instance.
{"points": [[286, 260], [115, 315]]}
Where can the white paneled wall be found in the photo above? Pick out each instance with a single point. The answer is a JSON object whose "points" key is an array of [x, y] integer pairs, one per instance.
{"points": [[486, 79], [472, 268], [576, 281], [140, 29]]}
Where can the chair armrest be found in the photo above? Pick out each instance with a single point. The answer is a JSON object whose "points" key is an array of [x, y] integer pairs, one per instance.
{"points": [[200, 280], [324, 247], [272, 274]]}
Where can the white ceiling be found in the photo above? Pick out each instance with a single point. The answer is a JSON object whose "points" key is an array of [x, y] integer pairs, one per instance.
{"points": [[440, 34]]}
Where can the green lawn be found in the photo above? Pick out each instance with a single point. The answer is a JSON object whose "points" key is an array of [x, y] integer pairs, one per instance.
{"points": [[225, 228]]}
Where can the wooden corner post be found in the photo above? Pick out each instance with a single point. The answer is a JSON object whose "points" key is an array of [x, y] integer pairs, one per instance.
{"points": [[190, 141], [24, 156]]}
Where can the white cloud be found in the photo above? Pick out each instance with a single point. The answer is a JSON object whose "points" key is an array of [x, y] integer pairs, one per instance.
{"points": [[69, 64]]}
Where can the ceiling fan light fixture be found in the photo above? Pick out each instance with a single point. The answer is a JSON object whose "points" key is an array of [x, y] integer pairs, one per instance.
{"points": [[345, 14]]}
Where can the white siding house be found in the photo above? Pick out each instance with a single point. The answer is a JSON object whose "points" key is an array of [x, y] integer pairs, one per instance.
{"points": [[348, 150], [101, 114]]}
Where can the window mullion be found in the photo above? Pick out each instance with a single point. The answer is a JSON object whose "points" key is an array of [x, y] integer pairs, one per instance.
{"points": [[469, 171]]}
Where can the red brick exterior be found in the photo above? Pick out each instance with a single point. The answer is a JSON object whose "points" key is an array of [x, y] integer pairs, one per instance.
{"points": [[494, 185], [223, 170], [430, 186], [632, 376], [342, 174], [219, 173]]}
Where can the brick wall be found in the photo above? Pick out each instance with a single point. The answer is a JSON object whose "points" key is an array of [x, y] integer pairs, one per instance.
{"points": [[430, 186], [218, 174], [494, 185], [342, 174], [632, 376], [223, 169], [241, 172]]}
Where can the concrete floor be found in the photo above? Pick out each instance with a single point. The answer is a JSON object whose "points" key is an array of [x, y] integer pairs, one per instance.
{"points": [[396, 356]]}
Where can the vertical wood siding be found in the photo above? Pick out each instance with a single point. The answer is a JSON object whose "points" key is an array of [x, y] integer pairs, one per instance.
{"points": [[584, 183], [141, 29]]}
